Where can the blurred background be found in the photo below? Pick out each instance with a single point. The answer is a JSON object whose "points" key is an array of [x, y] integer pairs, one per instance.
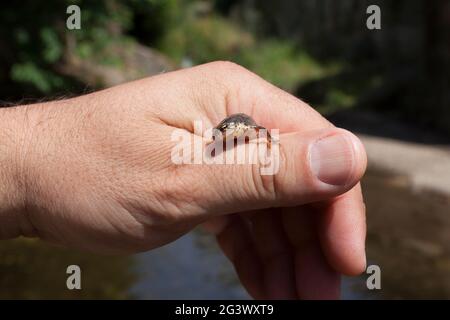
{"points": [[390, 86]]}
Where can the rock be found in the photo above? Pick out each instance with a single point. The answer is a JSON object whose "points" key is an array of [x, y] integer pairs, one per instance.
{"points": [[138, 61]]}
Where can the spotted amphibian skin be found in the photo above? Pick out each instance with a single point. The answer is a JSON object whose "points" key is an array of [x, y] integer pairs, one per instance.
{"points": [[239, 124]]}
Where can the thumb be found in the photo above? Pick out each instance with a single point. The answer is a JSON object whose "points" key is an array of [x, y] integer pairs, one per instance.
{"points": [[313, 166]]}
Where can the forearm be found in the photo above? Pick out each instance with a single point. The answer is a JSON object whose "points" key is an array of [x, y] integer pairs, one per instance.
{"points": [[12, 197]]}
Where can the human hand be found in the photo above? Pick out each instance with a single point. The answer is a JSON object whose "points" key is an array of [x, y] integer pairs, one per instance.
{"points": [[95, 172]]}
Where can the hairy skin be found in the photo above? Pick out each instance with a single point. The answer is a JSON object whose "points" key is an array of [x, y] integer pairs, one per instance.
{"points": [[94, 172]]}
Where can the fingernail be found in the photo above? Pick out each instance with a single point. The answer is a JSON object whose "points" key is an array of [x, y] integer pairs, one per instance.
{"points": [[332, 159]]}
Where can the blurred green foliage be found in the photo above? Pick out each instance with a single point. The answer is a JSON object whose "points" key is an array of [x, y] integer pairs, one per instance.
{"points": [[184, 30], [35, 39], [202, 37]]}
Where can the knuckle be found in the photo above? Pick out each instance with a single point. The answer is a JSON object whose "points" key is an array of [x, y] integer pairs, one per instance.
{"points": [[228, 66], [263, 185], [176, 197], [280, 179], [232, 72]]}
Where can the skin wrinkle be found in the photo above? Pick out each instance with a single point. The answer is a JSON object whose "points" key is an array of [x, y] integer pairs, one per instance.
{"points": [[176, 119], [175, 194], [207, 184], [276, 186], [267, 183], [204, 99]]}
